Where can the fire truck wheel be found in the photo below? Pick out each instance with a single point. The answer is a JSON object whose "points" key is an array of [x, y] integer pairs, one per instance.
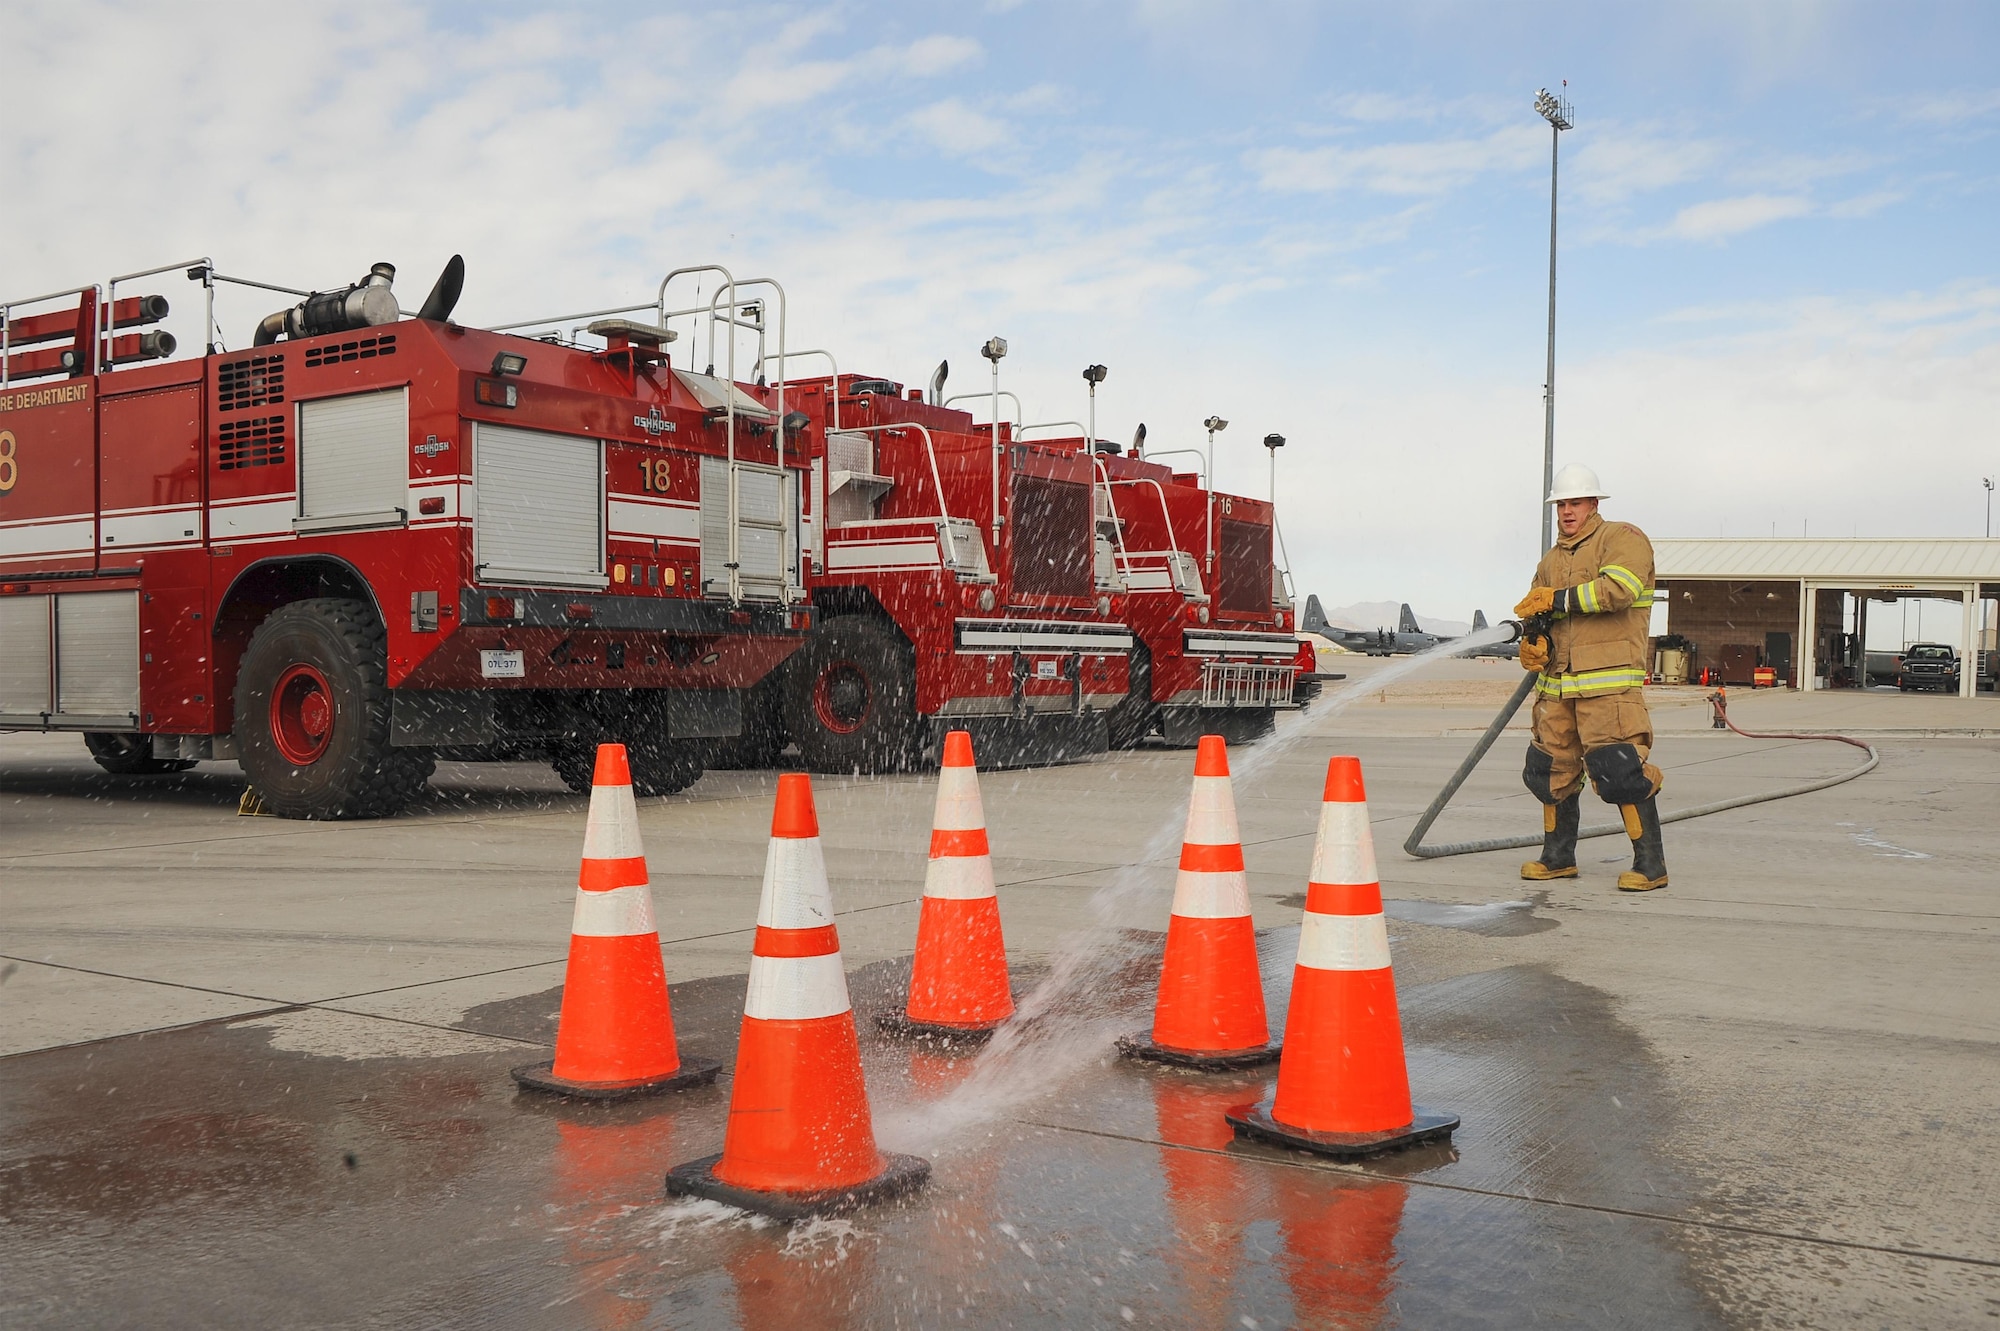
{"points": [[312, 715], [853, 704], [130, 755]]}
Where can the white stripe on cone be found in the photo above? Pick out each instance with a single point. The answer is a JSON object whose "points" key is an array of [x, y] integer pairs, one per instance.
{"points": [[621, 912], [1211, 896], [1211, 819], [958, 806], [960, 877], [796, 988], [1344, 853], [1343, 942], [796, 895], [613, 830]]}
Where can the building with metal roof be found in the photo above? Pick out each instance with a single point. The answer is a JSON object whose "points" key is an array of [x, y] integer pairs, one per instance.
{"points": [[1769, 596]]}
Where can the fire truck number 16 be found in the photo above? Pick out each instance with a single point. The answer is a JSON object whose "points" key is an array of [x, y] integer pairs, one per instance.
{"points": [[10, 470], [653, 475]]}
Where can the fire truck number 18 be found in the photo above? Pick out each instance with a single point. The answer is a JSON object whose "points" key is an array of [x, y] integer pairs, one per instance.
{"points": [[10, 470], [653, 476]]}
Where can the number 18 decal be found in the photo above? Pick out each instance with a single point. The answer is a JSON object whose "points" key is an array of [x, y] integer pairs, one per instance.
{"points": [[10, 467], [654, 477]]}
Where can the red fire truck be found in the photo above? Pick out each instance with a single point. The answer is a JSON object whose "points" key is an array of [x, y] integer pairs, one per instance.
{"points": [[1216, 651], [1046, 597], [370, 540], [958, 579]]}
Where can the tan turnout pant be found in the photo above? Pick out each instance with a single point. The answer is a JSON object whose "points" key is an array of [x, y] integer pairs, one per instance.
{"points": [[1568, 728]]}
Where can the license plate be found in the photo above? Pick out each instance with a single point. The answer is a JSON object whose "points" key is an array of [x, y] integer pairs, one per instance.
{"points": [[1045, 670], [502, 664]]}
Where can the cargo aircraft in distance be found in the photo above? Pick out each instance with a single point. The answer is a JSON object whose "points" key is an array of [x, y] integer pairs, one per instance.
{"points": [[1403, 640]]}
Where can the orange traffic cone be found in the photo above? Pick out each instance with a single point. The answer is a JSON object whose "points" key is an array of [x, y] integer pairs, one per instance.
{"points": [[616, 1034], [958, 981], [1210, 1009], [1343, 1089], [800, 1140]]}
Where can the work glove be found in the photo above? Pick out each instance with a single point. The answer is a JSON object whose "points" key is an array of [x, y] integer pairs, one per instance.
{"points": [[1539, 601], [1535, 654]]}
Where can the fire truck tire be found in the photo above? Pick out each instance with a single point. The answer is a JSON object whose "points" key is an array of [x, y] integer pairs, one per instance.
{"points": [[853, 698], [312, 715], [658, 767], [130, 755]]}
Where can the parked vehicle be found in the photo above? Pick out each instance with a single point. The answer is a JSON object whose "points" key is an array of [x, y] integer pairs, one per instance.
{"points": [[367, 541], [1929, 665]]}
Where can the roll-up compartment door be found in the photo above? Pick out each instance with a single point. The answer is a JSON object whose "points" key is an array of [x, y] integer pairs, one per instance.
{"points": [[26, 656], [97, 654], [538, 507], [354, 461]]}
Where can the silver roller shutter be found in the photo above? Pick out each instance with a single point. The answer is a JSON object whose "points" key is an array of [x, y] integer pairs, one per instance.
{"points": [[97, 654], [538, 507], [354, 461], [24, 656]]}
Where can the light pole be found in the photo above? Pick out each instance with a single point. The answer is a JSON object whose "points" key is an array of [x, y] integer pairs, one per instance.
{"points": [[1093, 375], [1556, 111], [1272, 443], [995, 348], [1213, 423], [1987, 481]]}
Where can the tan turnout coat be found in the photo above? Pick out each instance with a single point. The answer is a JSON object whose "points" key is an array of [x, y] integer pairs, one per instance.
{"points": [[1600, 646]]}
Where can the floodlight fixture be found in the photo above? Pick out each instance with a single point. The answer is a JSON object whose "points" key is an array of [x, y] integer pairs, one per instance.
{"points": [[1553, 109], [995, 348]]}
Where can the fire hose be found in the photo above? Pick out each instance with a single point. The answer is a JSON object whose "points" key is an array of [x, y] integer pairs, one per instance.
{"points": [[1719, 701]]}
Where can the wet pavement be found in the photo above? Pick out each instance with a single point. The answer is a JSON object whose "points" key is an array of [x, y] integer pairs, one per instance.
{"points": [[256, 1071], [232, 1175]]}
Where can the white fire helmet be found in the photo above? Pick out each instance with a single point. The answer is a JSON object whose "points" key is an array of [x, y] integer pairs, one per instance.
{"points": [[1576, 482]]}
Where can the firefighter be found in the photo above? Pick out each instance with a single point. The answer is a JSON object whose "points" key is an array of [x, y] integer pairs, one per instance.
{"points": [[1595, 586]]}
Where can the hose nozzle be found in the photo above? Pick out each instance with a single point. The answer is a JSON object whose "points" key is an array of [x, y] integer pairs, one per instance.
{"points": [[1524, 630]]}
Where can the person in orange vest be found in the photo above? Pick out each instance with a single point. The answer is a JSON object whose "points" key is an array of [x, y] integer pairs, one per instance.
{"points": [[1596, 587]]}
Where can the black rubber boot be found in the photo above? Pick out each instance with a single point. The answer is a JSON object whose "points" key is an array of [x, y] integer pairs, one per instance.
{"points": [[1559, 824], [1649, 855]]}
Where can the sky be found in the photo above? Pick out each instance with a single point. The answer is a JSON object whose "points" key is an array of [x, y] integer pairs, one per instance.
{"points": [[1779, 294]]}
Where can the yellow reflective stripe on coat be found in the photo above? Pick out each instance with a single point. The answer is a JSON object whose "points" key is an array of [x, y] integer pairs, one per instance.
{"points": [[1624, 577], [1584, 598], [1589, 683]]}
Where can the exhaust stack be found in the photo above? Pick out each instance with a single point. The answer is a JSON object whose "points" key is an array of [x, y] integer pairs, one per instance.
{"points": [[366, 304]]}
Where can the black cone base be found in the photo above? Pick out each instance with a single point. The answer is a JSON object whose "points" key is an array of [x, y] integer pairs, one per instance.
{"points": [[899, 1024], [1141, 1045], [1256, 1123], [692, 1072], [902, 1174]]}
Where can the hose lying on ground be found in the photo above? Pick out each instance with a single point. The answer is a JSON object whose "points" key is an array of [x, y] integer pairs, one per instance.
{"points": [[1719, 700]]}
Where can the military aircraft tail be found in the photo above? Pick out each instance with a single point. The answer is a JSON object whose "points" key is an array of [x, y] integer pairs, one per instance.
{"points": [[1314, 620], [1479, 621], [1408, 623]]}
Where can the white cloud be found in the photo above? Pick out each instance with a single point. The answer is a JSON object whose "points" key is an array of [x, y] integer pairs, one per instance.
{"points": [[953, 127], [1951, 108], [1614, 164], [1421, 168], [1718, 219], [927, 57]]}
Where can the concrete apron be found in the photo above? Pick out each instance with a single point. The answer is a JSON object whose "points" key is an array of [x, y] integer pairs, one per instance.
{"points": [[230, 1174]]}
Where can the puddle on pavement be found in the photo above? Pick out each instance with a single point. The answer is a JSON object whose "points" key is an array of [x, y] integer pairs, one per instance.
{"points": [[1493, 919], [209, 1177]]}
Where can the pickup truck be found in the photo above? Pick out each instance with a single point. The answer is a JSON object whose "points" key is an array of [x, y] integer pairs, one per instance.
{"points": [[1929, 665]]}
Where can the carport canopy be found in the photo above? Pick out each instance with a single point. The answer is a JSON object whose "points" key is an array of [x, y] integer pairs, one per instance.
{"points": [[1967, 570]]}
